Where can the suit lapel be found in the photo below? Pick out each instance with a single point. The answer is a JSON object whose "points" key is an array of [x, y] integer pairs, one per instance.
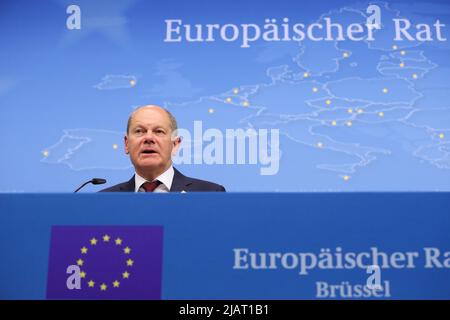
{"points": [[128, 186], [180, 182]]}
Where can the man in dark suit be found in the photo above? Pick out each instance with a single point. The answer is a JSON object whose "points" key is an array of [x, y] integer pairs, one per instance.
{"points": [[151, 140]]}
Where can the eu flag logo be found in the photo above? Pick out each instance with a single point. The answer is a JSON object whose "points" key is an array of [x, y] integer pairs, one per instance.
{"points": [[113, 262]]}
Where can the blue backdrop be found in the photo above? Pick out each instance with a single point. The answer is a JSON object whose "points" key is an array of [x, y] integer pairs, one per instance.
{"points": [[352, 115]]}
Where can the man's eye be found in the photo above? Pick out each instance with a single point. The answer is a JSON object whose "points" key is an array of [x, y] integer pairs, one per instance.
{"points": [[159, 131], [138, 131]]}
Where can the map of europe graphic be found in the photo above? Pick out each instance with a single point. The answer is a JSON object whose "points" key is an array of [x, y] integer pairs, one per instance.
{"points": [[352, 115]]}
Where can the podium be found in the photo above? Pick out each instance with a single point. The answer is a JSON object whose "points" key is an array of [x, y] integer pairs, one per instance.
{"points": [[225, 246]]}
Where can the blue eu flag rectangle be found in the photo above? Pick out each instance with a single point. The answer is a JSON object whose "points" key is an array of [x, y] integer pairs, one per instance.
{"points": [[105, 262]]}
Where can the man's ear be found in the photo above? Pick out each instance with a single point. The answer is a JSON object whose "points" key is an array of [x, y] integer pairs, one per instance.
{"points": [[126, 144], [176, 145]]}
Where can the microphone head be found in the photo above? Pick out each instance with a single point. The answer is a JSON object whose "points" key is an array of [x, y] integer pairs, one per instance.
{"points": [[98, 181]]}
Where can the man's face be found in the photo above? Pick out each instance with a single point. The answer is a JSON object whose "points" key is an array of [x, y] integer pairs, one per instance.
{"points": [[149, 142]]}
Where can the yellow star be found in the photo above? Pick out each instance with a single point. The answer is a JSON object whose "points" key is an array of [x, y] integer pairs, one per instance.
{"points": [[126, 275], [359, 110], [130, 262], [103, 287], [83, 274], [245, 104], [84, 250], [381, 114], [345, 54], [93, 241], [115, 146], [305, 75], [315, 89], [319, 144], [118, 241], [80, 262], [91, 284], [228, 100], [394, 47], [403, 52], [402, 65], [132, 82], [333, 123], [45, 153], [441, 136], [346, 178], [328, 102], [127, 250], [385, 90], [349, 123], [236, 91], [211, 110], [116, 284], [415, 76], [106, 238], [350, 110]]}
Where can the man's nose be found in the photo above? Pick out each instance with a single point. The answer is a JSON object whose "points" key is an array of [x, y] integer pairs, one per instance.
{"points": [[149, 137]]}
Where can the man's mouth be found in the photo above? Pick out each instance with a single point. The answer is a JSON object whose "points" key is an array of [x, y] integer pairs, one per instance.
{"points": [[149, 152]]}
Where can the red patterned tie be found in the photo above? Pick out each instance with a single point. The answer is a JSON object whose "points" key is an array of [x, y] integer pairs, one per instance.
{"points": [[150, 186]]}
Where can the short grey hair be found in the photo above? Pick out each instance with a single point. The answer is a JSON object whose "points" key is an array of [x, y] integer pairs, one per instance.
{"points": [[173, 121]]}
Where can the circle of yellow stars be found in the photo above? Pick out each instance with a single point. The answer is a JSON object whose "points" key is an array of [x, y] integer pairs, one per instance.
{"points": [[105, 239]]}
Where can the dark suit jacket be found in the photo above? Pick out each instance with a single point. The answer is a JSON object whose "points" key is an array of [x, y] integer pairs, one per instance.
{"points": [[180, 182]]}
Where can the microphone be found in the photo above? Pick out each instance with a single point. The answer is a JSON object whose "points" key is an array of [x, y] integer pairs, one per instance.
{"points": [[93, 181]]}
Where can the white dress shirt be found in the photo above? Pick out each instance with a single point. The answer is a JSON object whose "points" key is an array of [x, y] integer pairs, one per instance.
{"points": [[165, 178]]}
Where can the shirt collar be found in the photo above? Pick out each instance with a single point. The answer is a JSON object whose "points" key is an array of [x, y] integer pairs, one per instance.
{"points": [[166, 178]]}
